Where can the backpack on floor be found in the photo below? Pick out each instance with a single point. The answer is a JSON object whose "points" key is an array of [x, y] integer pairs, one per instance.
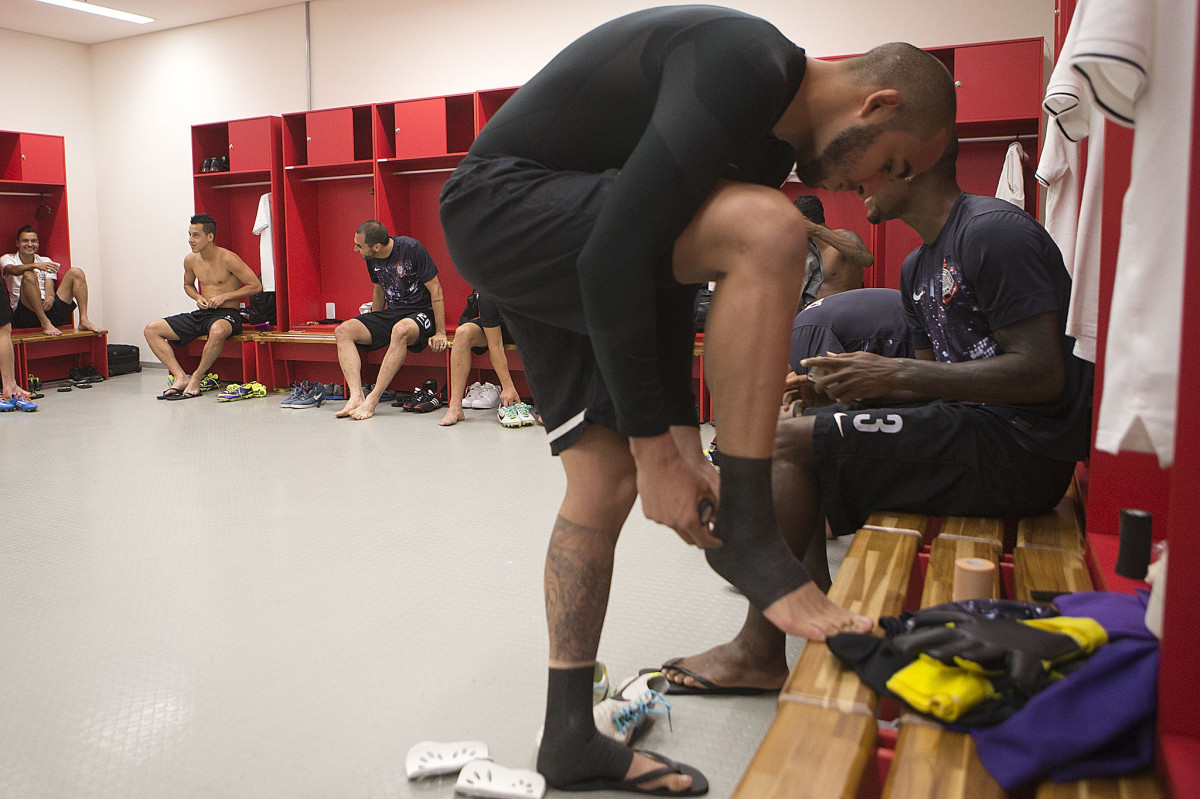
{"points": [[123, 359]]}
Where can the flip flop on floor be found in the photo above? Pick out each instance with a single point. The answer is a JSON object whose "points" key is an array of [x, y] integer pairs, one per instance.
{"points": [[706, 687], [669, 766], [173, 391], [182, 395]]}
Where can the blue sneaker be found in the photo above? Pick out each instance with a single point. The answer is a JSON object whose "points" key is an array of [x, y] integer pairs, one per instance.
{"points": [[298, 390], [7, 405], [22, 404], [313, 398]]}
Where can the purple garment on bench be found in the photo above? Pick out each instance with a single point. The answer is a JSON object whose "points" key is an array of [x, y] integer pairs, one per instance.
{"points": [[1097, 721]]}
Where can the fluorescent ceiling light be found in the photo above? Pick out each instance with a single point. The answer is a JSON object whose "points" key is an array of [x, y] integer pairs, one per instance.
{"points": [[103, 11]]}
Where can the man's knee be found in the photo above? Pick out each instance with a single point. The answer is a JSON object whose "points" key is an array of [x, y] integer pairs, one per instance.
{"points": [[745, 228], [219, 330], [794, 440], [155, 329], [469, 334], [404, 333]]}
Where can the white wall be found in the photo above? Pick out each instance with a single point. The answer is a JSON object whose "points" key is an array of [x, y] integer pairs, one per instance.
{"points": [[127, 107], [45, 88]]}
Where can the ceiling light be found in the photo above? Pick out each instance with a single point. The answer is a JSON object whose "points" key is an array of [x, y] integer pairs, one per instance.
{"points": [[103, 11]]}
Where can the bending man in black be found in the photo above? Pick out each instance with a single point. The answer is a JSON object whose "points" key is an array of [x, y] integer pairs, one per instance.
{"points": [[1000, 406], [642, 161]]}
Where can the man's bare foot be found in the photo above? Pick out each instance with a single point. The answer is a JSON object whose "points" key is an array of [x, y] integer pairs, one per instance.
{"points": [[808, 613], [365, 410], [51, 330], [731, 665], [453, 416], [676, 783], [88, 324], [350, 405]]}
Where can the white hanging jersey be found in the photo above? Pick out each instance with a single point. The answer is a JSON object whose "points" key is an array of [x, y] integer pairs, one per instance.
{"points": [[266, 249]]}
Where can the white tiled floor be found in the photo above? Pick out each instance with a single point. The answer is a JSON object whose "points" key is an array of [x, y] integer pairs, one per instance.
{"points": [[203, 599]]}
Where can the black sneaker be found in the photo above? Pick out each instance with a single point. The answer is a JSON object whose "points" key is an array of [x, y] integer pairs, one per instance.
{"points": [[409, 402], [428, 402]]}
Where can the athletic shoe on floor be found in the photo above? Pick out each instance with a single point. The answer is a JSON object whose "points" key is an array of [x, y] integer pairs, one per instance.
{"points": [[233, 392], [334, 391], [507, 414], [471, 394], [412, 399], [429, 402], [210, 382], [257, 390], [35, 383], [524, 415], [599, 683], [297, 390], [387, 395], [631, 708], [7, 405], [313, 398], [489, 397]]}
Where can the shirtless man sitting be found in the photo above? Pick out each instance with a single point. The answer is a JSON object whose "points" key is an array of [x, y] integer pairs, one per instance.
{"points": [[33, 297], [216, 279]]}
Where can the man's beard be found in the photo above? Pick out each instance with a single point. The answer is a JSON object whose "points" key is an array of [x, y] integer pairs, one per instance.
{"points": [[840, 152]]}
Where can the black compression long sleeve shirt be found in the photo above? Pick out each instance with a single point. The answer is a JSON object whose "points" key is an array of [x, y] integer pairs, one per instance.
{"points": [[675, 98]]}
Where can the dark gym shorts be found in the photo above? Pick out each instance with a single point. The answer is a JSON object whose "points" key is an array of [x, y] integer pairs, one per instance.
{"points": [[190, 326], [938, 459], [380, 323], [515, 229], [5, 313], [60, 314]]}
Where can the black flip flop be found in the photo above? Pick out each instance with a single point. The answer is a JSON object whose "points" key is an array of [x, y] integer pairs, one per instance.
{"points": [[83, 385], [182, 395], [63, 389], [706, 687], [36, 395], [168, 393], [699, 781]]}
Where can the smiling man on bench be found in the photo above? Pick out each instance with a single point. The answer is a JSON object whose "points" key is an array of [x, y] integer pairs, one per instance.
{"points": [[988, 419]]}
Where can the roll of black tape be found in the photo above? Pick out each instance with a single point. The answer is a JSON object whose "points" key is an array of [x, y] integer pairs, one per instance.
{"points": [[1133, 557]]}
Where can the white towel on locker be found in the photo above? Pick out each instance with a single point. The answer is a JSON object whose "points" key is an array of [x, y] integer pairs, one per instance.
{"points": [[1012, 176], [1112, 51], [266, 249], [1141, 374]]}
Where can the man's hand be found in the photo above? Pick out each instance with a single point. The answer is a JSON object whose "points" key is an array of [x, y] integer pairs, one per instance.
{"points": [[851, 376], [800, 393], [48, 301], [509, 396], [204, 302], [437, 342], [49, 267], [672, 488]]}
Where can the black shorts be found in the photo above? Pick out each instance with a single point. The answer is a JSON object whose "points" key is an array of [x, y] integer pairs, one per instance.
{"points": [[937, 459], [515, 229], [60, 314], [380, 323], [5, 312], [190, 326]]}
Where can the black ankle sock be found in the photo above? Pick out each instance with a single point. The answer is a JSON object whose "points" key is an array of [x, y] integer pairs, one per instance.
{"points": [[754, 558], [572, 748]]}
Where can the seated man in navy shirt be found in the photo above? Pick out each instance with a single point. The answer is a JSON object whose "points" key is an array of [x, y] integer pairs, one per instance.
{"points": [[988, 419]]}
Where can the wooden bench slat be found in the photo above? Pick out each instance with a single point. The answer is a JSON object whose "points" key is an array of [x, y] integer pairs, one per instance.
{"points": [[1056, 570], [1058, 529], [810, 752], [935, 763], [930, 760], [872, 581]]}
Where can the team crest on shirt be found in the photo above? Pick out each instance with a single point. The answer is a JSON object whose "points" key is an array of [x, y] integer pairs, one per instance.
{"points": [[949, 281]]}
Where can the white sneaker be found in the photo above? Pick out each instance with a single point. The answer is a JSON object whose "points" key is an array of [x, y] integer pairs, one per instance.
{"points": [[524, 415], [472, 395], [631, 707], [489, 396], [507, 414]]}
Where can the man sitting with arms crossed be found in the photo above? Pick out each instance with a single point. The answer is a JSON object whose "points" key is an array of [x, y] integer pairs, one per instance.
{"points": [[223, 279], [34, 300], [406, 313], [1001, 406]]}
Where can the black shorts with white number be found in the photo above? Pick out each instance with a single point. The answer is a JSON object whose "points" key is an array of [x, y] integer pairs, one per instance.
{"points": [[938, 459]]}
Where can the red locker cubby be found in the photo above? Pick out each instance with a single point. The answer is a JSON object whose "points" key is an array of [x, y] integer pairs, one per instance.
{"points": [[328, 136], [33, 192], [488, 103], [254, 147], [427, 128]]}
